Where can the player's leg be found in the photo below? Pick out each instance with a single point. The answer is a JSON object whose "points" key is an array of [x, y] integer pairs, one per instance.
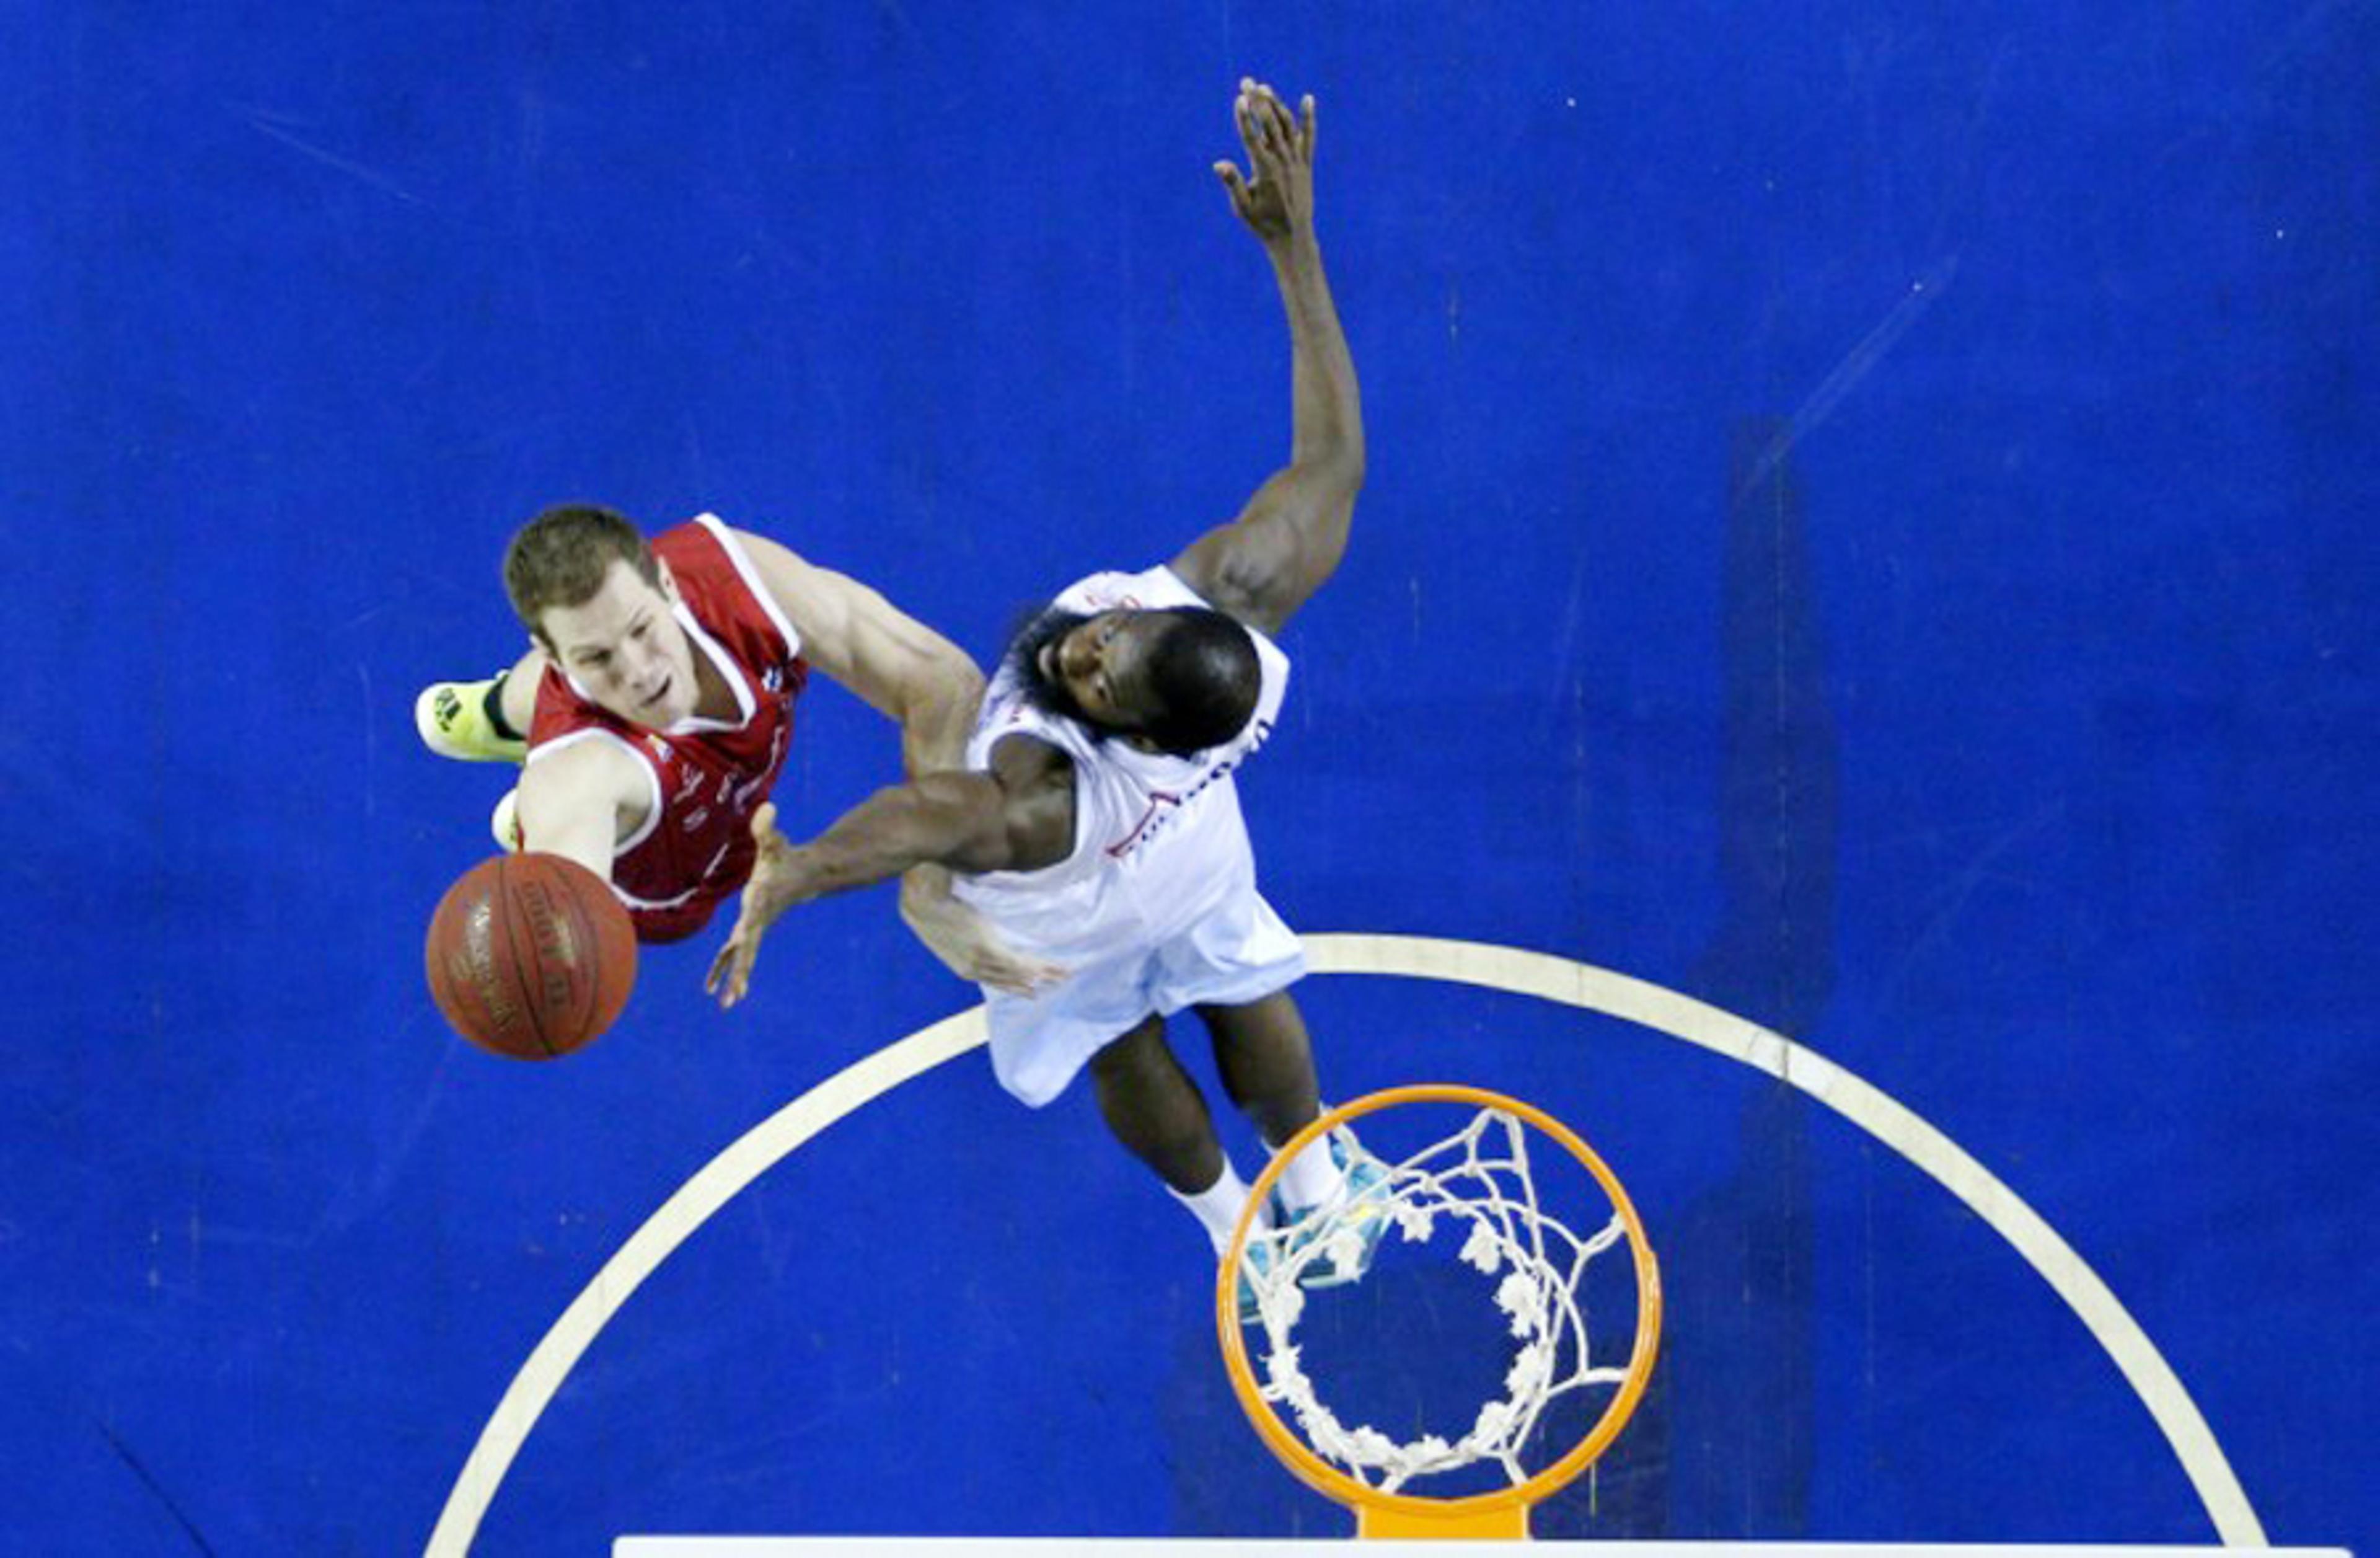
{"points": [[1152, 1106], [517, 691], [1265, 1059], [483, 722]]}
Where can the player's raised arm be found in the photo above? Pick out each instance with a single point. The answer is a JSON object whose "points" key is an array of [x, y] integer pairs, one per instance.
{"points": [[1018, 816], [1289, 538], [898, 665]]}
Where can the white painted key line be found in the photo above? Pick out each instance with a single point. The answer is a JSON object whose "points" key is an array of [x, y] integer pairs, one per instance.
{"points": [[1473, 962]]}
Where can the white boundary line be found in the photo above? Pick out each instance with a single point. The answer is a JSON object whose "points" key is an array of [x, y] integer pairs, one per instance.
{"points": [[1506, 969], [719, 1181], [1408, 1547]]}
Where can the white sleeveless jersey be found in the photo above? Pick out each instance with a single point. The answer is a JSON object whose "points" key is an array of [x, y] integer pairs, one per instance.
{"points": [[1159, 840]]}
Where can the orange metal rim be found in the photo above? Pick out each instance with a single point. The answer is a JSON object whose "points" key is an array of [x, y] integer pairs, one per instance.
{"points": [[1327, 1479]]}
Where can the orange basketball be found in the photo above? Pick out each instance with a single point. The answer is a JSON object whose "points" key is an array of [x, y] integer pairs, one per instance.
{"points": [[530, 955]]}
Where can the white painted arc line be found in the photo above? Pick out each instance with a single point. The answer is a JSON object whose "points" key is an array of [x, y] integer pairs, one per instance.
{"points": [[1682, 1017], [1517, 972], [718, 1182]]}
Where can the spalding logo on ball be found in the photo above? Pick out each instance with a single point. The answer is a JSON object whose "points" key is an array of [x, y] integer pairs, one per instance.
{"points": [[530, 955]]}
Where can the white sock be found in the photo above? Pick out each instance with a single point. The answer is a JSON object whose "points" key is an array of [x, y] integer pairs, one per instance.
{"points": [[1219, 1206], [1311, 1180]]}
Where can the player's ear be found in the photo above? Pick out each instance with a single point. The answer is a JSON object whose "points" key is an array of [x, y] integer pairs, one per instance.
{"points": [[668, 581]]}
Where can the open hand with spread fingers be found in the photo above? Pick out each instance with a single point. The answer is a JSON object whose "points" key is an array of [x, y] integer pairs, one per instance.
{"points": [[1276, 197], [766, 896]]}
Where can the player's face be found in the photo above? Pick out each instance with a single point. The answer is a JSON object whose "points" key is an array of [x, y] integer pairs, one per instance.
{"points": [[627, 650], [1101, 665]]}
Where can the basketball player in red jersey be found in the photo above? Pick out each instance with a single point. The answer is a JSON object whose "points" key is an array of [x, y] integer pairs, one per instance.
{"points": [[654, 712]]}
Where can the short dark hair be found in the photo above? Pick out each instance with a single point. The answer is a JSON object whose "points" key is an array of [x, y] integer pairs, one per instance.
{"points": [[1204, 675], [559, 558]]}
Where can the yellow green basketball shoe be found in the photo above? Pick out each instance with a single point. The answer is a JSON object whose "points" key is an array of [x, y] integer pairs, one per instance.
{"points": [[453, 723]]}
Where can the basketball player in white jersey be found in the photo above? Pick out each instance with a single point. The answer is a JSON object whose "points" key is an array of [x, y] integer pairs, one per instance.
{"points": [[1098, 821]]}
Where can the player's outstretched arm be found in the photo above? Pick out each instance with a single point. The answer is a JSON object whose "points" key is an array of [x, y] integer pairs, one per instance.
{"points": [[1289, 538], [1019, 816], [578, 803], [896, 664]]}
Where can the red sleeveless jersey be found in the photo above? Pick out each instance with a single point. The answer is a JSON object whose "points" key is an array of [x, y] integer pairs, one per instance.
{"points": [[708, 776]]}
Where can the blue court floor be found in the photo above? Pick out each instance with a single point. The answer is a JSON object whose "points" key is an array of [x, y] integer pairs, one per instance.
{"points": [[1869, 531]]}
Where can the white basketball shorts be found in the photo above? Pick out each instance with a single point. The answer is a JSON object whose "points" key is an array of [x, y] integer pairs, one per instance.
{"points": [[1239, 953]]}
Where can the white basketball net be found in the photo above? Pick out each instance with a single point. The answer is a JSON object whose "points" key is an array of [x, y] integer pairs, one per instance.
{"points": [[1478, 1177]]}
